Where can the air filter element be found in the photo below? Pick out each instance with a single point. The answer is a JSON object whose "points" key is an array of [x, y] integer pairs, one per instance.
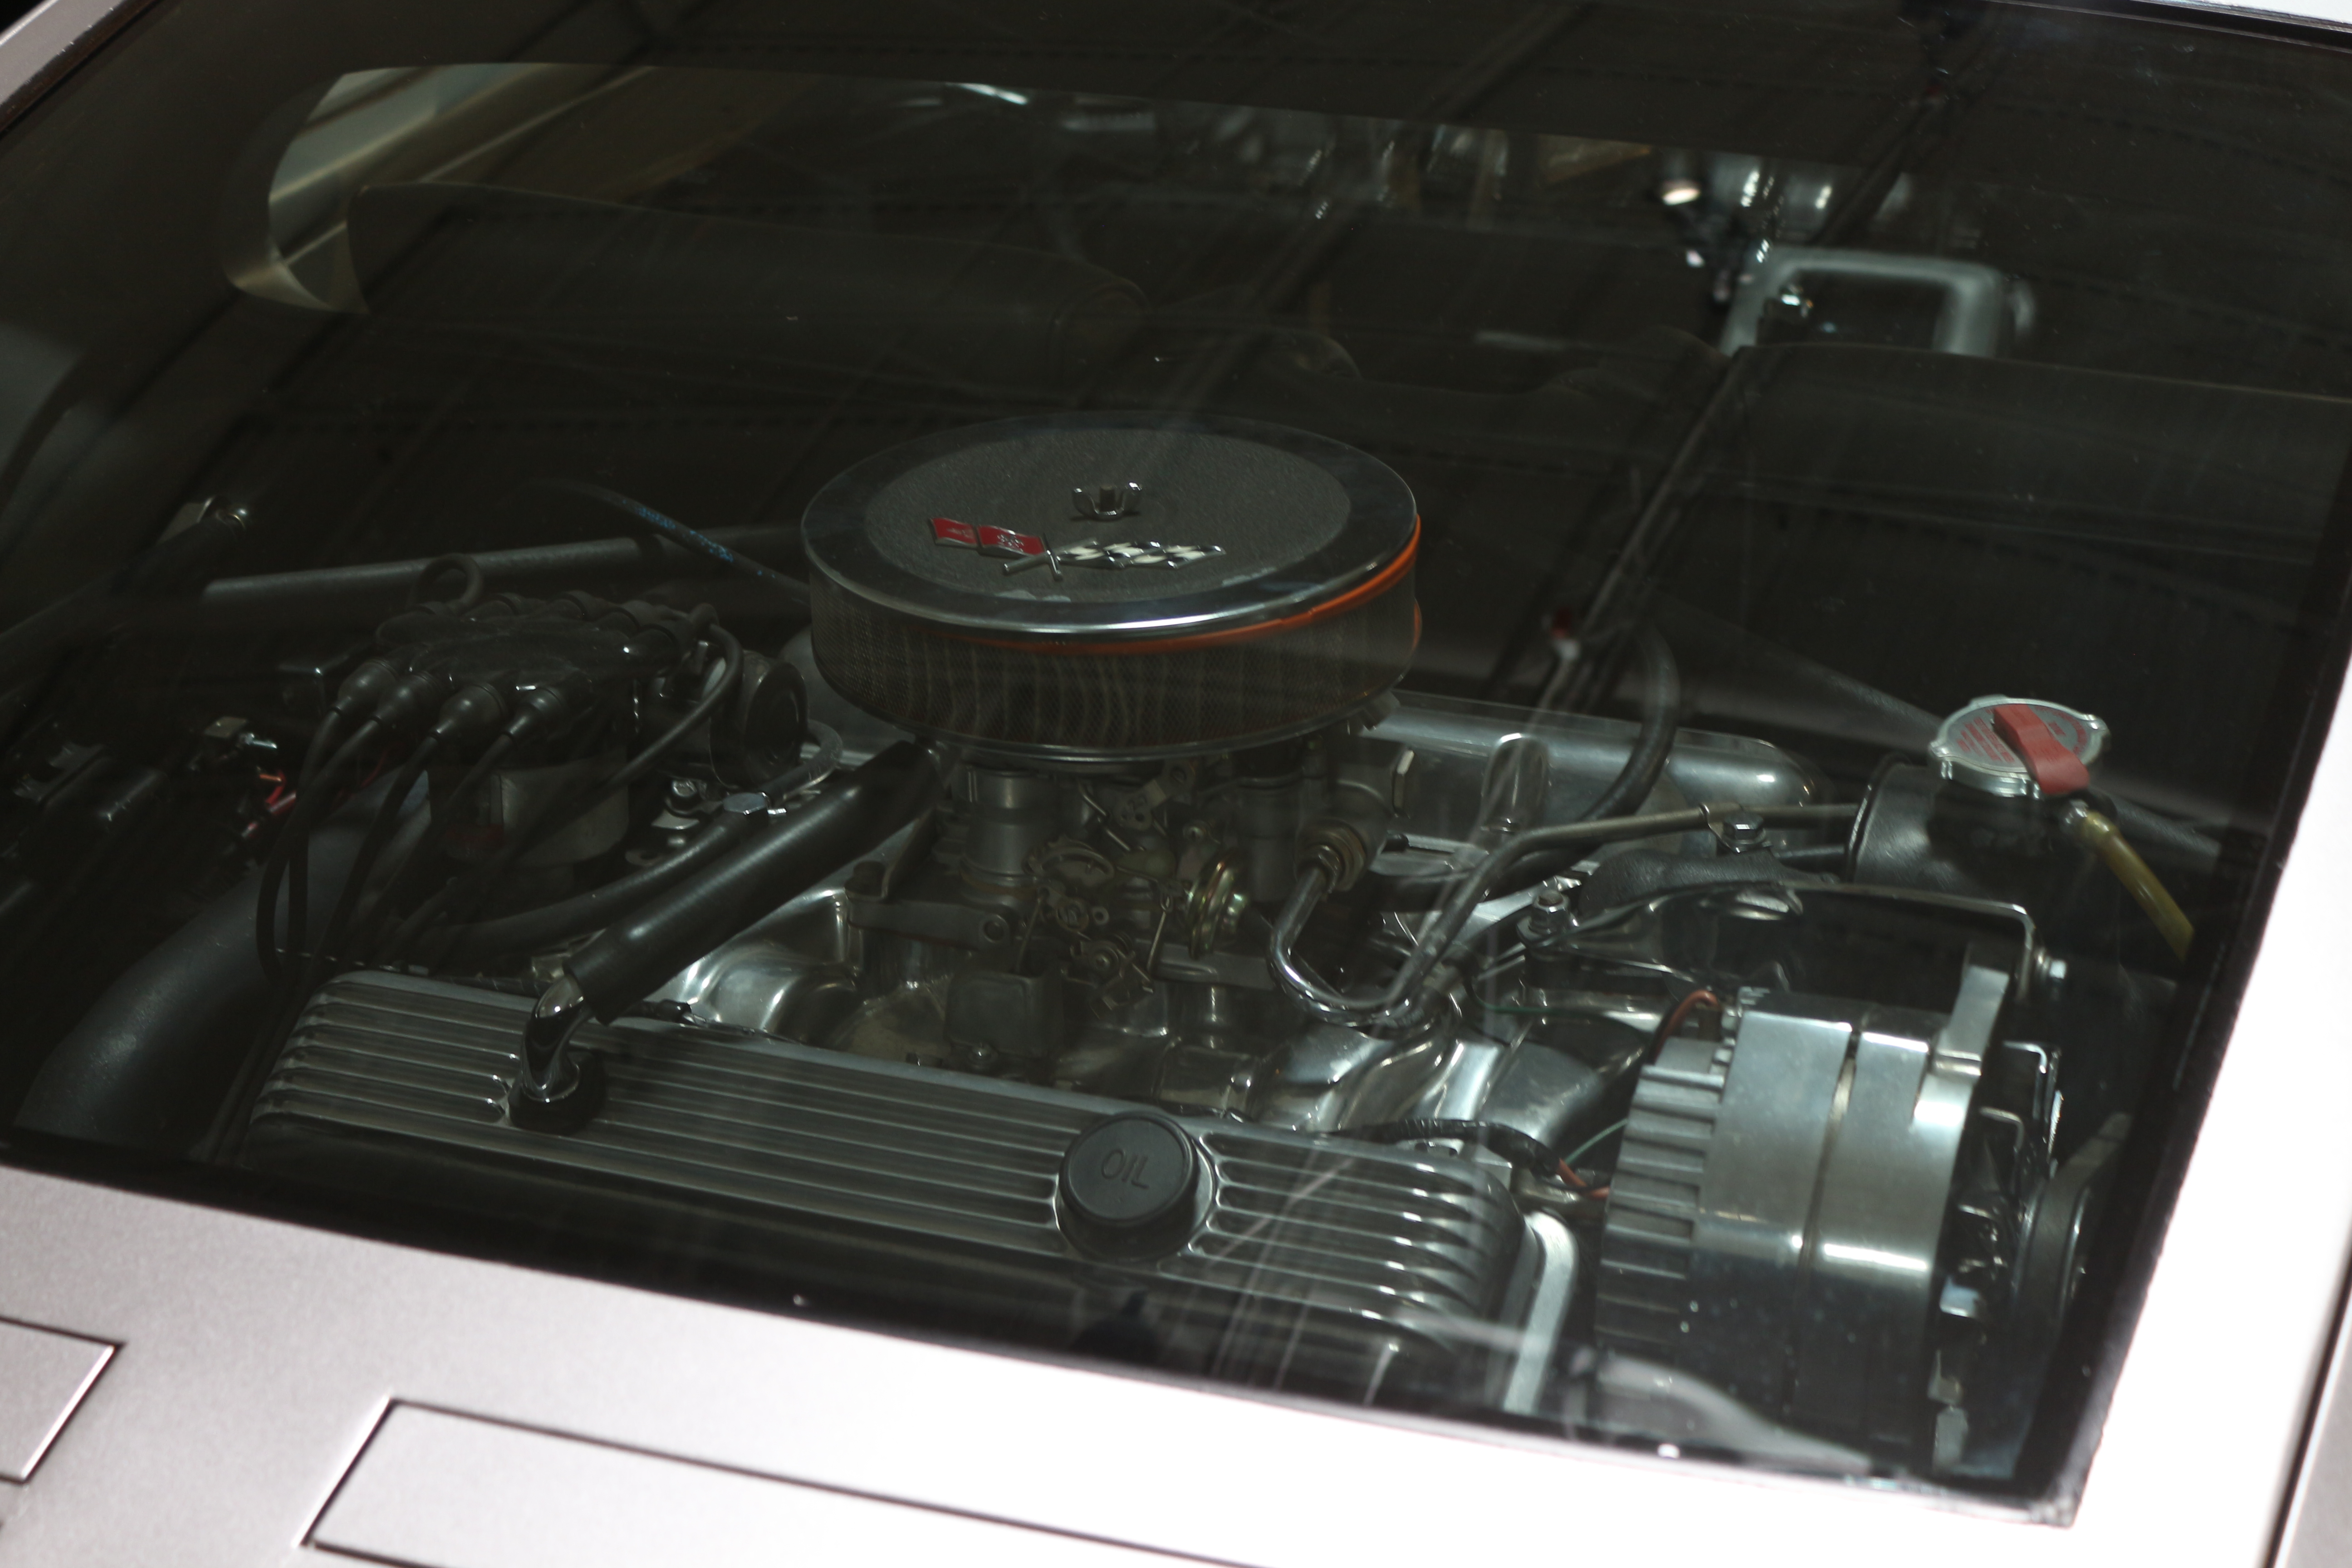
{"points": [[1097, 586]]}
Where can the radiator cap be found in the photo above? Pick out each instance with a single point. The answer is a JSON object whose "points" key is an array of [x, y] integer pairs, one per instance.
{"points": [[2020, 747]]}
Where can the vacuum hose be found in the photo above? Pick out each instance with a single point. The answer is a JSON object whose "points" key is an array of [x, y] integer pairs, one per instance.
{"points": [[1660, 700]]}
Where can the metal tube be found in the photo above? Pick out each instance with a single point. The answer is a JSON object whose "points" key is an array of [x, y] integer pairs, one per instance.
{"points": [[554, 1092], [87, 613], [1313, 887], [374, 589], [1403, 998]]}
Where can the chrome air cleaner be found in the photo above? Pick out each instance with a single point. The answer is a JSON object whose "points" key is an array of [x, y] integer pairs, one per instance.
{"points": [[1098, 586]]}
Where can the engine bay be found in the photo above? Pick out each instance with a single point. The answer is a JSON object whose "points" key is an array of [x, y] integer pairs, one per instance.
{"points": [[1078, 933], [1641, 867]]}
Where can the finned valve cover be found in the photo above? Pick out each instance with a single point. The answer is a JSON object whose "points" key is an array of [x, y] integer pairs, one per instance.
{"points": [[1100, 586]]}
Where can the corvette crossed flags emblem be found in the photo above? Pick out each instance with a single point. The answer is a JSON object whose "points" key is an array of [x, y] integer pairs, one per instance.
{"points": [[1019, 551]]}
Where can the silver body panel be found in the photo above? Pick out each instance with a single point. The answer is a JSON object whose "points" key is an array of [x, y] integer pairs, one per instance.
{"points": [[43, 1375], [439, 1490], [258, 1357]]}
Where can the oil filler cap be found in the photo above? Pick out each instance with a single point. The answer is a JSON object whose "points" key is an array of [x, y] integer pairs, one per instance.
{"points": [[1129, 1183]]}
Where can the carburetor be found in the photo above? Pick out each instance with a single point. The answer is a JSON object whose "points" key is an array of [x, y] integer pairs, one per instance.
{"points": [[1131, 625]]}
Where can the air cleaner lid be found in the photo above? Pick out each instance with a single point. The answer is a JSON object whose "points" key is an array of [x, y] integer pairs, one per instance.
{"points": [[1114, 526]]}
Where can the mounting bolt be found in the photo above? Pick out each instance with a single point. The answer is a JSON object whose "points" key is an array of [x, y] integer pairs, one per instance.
{"points": [[1547, 909]]}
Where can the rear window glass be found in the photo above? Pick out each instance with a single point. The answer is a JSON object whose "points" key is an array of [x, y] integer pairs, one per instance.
{"points": [[1570, 718]]}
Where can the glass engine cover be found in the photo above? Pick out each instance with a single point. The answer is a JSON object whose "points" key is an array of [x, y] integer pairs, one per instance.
{"points": [[1574, 718]]}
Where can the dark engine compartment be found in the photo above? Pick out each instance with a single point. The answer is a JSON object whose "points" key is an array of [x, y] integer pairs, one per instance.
{"points": [[1590, 847]]}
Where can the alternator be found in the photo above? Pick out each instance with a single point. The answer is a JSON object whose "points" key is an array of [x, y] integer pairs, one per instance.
{"points": [[1779, 1214]]}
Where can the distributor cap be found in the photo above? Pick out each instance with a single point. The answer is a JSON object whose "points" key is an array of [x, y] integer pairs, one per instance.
{"points": [[604, 643], [578, 647]]}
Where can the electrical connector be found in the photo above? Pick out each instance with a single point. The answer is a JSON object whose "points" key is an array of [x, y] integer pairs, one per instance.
{"points": [[416, 694], [476, 711]]}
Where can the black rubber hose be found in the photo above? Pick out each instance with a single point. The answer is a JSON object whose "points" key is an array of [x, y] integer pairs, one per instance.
{"points": [[1661, 713], [1639, 873], [704, 706], [1528, 1153], [1661, 704], [677, 532], [321, 747], [781, 856], [585, 911], [379, 833], [560, 811], [469, 571], [2161, 838], [289, 853], [148, 1064], [1661, 700], [371, 919]]}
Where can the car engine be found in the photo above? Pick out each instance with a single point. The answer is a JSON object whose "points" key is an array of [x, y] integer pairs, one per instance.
{"points": [[1075, 932]]}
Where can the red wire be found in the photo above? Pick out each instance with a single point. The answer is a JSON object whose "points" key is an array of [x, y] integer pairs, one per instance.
{"points": [[1683, 1010], [280, 799], [1675, 1020]]}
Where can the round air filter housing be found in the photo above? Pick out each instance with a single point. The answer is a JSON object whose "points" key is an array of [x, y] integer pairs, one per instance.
{"points": [[1104, 587]]}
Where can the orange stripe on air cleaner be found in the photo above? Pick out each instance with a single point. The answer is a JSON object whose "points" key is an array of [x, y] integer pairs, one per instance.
{"points": [[1363, 593]]}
